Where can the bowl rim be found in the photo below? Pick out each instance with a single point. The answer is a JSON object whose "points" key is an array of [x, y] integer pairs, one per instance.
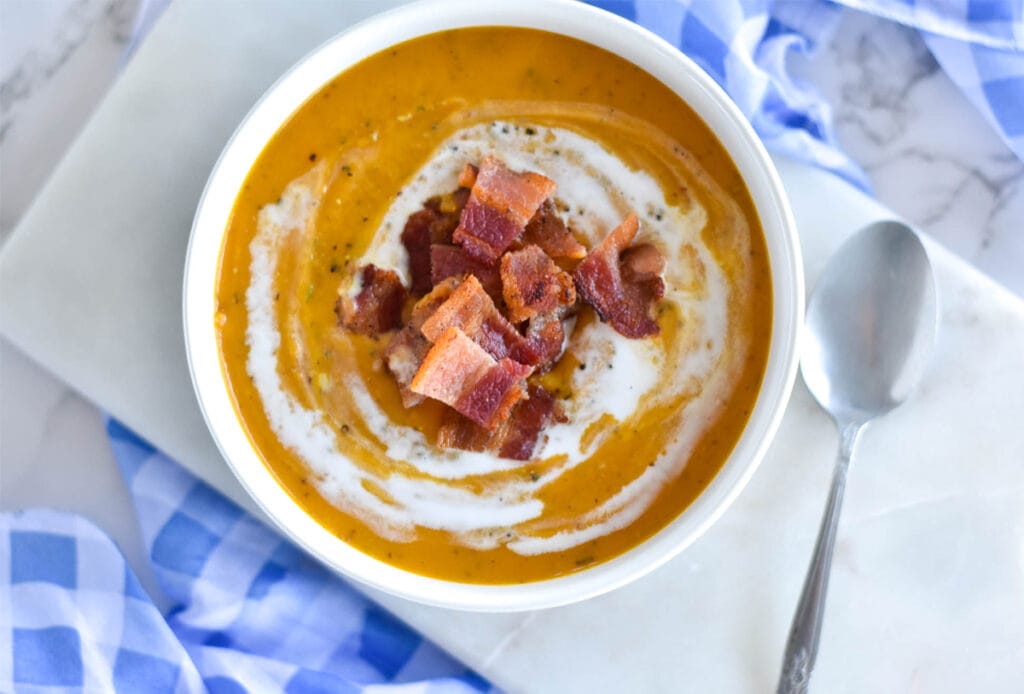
{"points": [[376, 33]]}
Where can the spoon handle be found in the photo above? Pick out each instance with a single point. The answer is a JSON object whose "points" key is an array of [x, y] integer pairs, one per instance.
{"points": [[802, 646]]}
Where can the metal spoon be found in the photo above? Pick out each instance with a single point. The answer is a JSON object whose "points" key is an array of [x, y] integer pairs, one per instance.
{"points": [[870, 328]]}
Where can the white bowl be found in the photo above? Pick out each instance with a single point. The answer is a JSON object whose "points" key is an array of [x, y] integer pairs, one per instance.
{"points": [[569, 18]]}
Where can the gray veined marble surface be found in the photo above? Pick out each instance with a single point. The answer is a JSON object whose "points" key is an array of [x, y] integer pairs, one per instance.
{"points": [[58, 58], [929, 155]]}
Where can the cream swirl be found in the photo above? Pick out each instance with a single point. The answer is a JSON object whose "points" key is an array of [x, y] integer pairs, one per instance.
{"points": [[624, 378]]}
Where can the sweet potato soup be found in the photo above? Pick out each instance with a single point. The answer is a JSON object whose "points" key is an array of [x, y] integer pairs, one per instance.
{"points": [[645, 423]]}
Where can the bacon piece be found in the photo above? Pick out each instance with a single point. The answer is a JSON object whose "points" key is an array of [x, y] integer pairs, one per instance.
{"points": [[432, 225], [470, 309], [377, 307], [491, 399], [485, 232], [500, 205], [548, 231], [459, 373], [453, 261], [467, 179], [622, 289], [537, 290], [546, 337], [516, 439], [642, 263], [459, 432], [416, 239], [466, 308], [516, 194], [531, 283], [425, 307], [407, 349], [403, 356]]}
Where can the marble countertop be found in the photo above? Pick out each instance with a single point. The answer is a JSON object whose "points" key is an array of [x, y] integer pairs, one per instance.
{"points": [[928, 154], [58, 59]]}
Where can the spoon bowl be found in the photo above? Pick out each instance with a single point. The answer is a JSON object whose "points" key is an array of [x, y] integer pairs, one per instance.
{"points": [[869, 332], [870, 324]]}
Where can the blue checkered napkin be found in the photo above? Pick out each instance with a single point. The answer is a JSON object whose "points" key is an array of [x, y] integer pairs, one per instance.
{"points": [[251, 613], [993, 23], [744, 46], [74, 618], [992, 79]]}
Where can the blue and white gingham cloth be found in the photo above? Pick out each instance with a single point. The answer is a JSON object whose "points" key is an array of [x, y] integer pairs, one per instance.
{"points": [[252, 613]]}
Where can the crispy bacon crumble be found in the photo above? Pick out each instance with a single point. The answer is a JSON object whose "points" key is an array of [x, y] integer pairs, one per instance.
{"points": [[501, 204], [492, 279], [531, 284], [622, 292], [376, 307]]}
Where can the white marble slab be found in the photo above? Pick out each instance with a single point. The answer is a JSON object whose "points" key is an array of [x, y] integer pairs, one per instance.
{"points": [[58, 59], [928, 590]]}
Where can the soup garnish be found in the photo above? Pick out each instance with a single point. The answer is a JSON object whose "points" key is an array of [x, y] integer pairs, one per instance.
{"points": [[473, 348]]}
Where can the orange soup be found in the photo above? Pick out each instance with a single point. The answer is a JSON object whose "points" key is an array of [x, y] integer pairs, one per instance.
{"points": [[648, 422]]}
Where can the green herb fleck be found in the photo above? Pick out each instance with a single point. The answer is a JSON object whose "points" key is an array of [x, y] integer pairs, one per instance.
{"points": [[309, 292]]}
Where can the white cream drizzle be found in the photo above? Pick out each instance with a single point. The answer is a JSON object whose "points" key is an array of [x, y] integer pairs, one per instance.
{"points": [[623, 377]]}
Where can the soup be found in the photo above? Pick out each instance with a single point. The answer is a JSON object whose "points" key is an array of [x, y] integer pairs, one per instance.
{"points": [[647, 423]]}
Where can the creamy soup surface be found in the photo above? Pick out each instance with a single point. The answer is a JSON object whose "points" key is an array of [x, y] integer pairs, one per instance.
{"points": [[649, 421]]}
